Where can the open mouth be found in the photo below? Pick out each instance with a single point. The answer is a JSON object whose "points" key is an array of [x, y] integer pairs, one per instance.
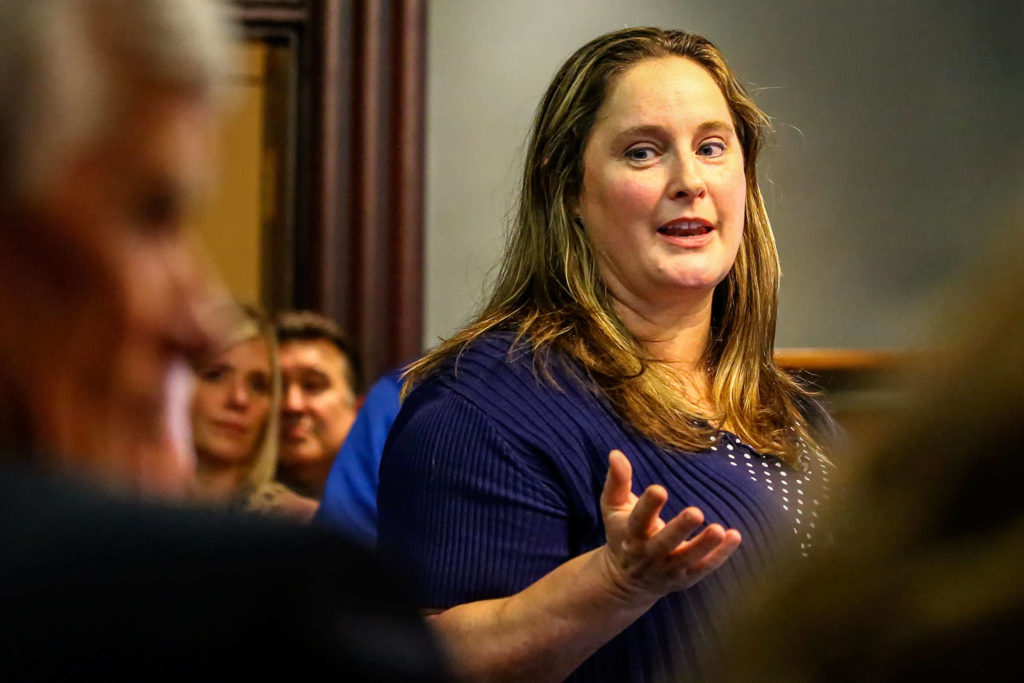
{"points": [[685, 228]]}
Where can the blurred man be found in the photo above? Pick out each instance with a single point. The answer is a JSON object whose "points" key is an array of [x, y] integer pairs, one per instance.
{"points": [[103, 147], [321, 379]]}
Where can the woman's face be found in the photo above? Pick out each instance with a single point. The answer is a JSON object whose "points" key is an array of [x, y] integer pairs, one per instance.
{"points": [[232, 402], [663, 185]]}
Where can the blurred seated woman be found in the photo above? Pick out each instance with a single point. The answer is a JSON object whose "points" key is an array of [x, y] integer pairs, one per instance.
{"points": [[235, 421], [572, 471]]}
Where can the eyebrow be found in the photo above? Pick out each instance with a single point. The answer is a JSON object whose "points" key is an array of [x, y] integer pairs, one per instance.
{"points": [[650, 129], [716, 126]]}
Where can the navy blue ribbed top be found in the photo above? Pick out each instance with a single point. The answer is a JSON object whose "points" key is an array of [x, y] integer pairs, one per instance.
{"points": [[491, 477]]}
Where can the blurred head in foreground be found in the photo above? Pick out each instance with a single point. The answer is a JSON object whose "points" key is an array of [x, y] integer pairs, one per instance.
{"points": [[235, 412], [103, 149], [925, 579], [321, 378]]}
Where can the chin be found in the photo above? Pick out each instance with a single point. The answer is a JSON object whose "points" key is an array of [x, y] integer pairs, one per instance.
{"points": [[301, 459], [697, 280], [292, 456], [226, 456]]}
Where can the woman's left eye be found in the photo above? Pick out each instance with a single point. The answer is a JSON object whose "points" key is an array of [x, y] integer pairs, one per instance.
{"points": [[711, 148], [259, 384]]}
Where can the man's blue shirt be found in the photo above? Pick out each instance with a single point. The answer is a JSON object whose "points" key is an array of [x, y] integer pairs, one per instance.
{"points": [[350, 499]]}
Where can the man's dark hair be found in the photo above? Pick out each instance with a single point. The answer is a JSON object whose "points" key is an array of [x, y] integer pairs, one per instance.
{"points": [[310, 326]]}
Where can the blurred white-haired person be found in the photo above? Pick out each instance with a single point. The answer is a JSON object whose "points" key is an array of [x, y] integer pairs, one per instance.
{"points": [[104, 144]]}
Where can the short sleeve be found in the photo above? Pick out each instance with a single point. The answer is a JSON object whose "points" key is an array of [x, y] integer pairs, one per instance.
{"points": [[473, 516]]}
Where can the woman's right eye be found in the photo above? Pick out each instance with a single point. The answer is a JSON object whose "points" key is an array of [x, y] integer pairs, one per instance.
{"points": [[214, 374], [640, 153]]}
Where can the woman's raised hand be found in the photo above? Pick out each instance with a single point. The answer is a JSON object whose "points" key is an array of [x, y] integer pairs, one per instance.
{"points": [[647, 557]]}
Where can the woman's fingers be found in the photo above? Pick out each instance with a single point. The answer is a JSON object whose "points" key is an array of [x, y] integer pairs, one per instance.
{"points": [[713, 558], [698, 556], [677, 531], [644, 520], [619, 482], [693, 551], [651, 542]]}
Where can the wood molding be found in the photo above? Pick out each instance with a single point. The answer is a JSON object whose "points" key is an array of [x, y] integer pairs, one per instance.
{"points": [[351, 246], [839, 360], [269, 11]]}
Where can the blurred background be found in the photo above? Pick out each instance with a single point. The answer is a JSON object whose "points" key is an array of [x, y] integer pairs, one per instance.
{"points": [[373, 150]]}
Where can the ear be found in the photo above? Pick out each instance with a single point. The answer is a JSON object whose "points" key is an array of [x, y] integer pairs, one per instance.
{"points": [[574, 210]]}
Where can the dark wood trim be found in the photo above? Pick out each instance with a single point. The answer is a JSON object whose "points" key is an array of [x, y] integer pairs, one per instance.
{"points": [[327, 250], [368, 190], [853, 381], [269, 12], [269, 15], [350, 241], [839, 360], [410, 163]]}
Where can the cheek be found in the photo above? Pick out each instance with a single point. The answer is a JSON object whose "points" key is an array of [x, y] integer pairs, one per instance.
{"points": [[616, 202], [149, 284], [628, 198], [733, 193], [321, 411], [205, 401], [260, 409], [337, 414]]}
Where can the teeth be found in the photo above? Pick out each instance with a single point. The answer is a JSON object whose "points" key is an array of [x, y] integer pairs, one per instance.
{"points": [[685, 229]]}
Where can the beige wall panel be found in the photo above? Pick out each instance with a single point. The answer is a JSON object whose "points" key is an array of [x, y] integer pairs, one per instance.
{"points": [[229, 223]]}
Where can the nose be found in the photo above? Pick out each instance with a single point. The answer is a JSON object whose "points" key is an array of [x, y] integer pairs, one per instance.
{"points": [[201, 302], [687, 181], [238, 394], [292, 400]]}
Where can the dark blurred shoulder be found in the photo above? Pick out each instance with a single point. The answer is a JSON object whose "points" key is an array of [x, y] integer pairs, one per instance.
{"points": [[96, 586]]}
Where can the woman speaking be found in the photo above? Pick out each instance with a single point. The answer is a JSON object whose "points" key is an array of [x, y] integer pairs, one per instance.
{"points": [[627, 346]]}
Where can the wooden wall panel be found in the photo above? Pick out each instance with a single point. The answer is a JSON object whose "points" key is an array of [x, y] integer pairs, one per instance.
{"points": [[354, 246]]}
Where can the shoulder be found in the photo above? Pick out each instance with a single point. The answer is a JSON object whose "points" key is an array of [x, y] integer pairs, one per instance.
{"points": [[274, 499], [497, 398], [94, 582], [75, 520], [376, 414], [386, 390], [500, 364]]}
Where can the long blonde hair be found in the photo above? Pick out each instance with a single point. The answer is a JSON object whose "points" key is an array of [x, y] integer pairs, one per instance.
{"points": [[264, 465], [549, 291]]}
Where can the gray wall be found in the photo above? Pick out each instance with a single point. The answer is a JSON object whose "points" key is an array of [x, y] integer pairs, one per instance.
{"points": [[897, 154]]}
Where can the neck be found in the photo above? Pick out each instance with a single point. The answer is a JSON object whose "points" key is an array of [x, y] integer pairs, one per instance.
{"points": [[218, 481], [677, 334], [306, 479]]}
